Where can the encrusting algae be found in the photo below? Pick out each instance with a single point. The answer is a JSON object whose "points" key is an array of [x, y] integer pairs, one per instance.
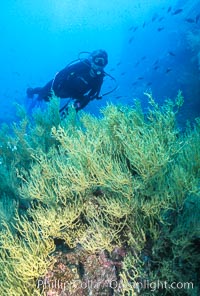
{"points": [[111, 201]]}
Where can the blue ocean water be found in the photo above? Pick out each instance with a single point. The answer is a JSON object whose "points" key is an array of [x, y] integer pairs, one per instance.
{"points": [[153, 45]]}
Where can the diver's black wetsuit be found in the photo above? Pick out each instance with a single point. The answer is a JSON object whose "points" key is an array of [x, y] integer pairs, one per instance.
{"points": [[75, 81]]}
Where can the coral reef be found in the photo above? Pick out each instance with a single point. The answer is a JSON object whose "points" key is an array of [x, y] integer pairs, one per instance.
{"points": [[193, 39], [100, 206]]}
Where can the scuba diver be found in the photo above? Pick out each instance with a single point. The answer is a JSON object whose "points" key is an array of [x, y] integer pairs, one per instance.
{"points": [[80, 81]]}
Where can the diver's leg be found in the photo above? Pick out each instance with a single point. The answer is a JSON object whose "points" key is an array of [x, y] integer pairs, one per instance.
{"points": [[32, 91], [44, 93]]}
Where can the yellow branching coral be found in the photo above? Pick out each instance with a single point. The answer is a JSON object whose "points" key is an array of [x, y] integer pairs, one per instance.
{"points": [[93, 158], [117, 208], [132, 270], [25, 255], [60, 222], [97, 238], [99, 183]]}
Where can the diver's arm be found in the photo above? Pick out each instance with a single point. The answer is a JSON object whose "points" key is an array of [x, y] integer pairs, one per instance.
{"points": [[95, 91], [70, 71]]}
